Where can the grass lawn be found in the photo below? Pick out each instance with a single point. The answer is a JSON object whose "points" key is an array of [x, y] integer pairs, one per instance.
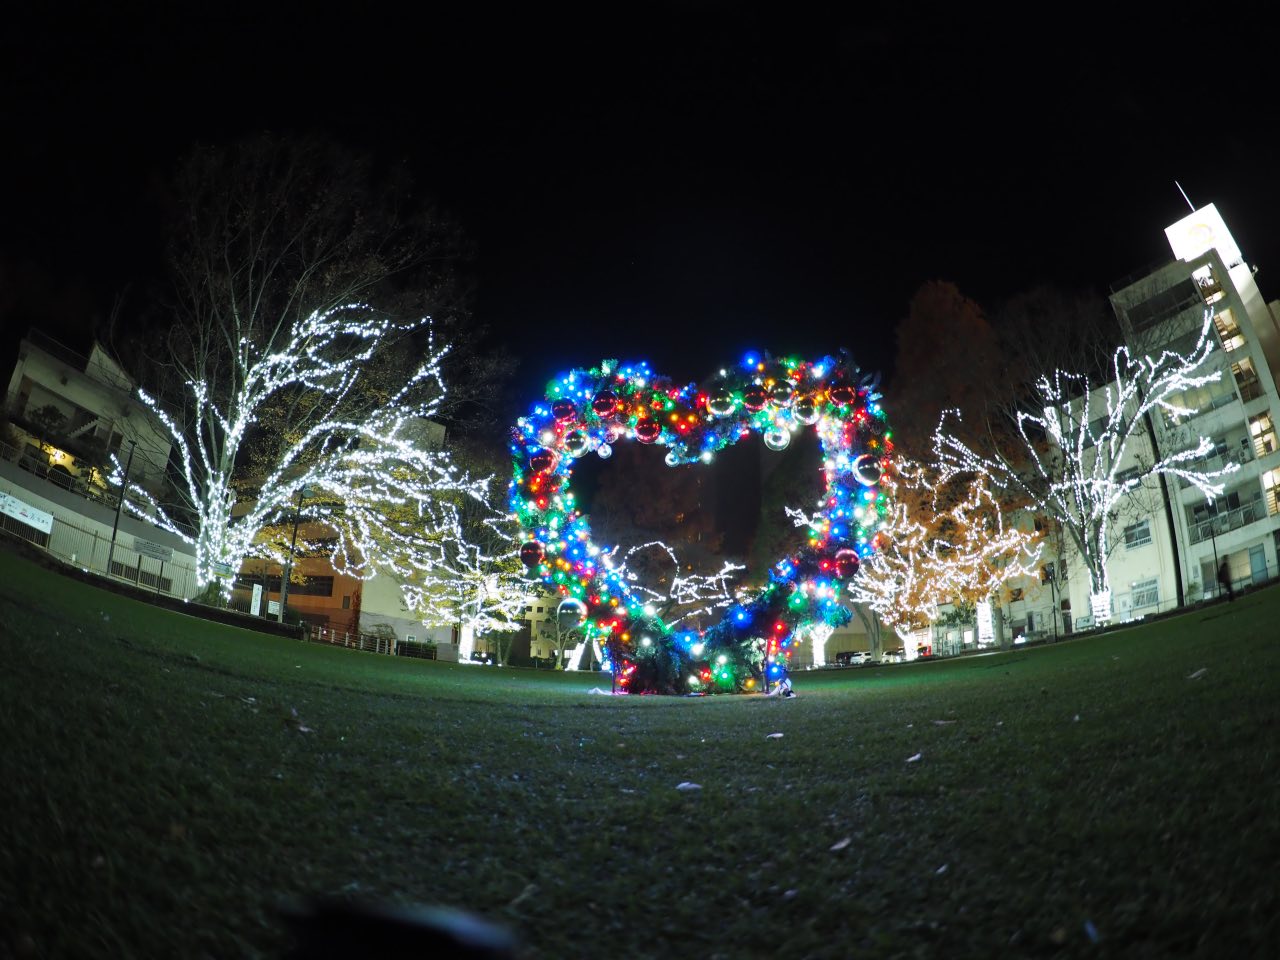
{"points": [[168, 783]]}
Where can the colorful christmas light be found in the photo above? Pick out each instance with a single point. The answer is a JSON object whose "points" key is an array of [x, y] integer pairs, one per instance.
{"points": [[591, 410]]}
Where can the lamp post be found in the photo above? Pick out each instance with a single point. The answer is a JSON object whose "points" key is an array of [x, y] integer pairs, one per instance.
{"points": [[124, 486], [1213, 538], [288, 570]]}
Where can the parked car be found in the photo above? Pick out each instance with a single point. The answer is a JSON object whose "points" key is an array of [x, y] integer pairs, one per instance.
{"points": [[852, 658], [893, 656]]}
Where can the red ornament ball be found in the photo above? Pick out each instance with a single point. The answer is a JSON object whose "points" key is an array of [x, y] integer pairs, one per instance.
{"points": [[605, 403], [847, 564], [647, 431], [531, 553], [842, 394], [754, 398]]}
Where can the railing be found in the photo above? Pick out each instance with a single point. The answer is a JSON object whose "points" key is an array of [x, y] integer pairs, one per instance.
{"points": [[1215, 402], [1216, 461], [90, 551], [1250, 389], [336, 636], [29, 459], [1141, 273], [1228, 520]]}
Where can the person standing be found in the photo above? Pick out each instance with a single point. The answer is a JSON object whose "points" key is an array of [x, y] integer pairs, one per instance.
{"points": [[1224, 579]]}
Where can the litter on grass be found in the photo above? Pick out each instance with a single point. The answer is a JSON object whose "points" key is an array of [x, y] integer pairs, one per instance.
{"points": [[686, 787], [1198, 674], [914, 758], [774, 736], [841, 844]]}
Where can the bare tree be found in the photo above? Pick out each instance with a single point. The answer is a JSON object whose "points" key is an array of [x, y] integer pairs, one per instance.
{"points": [[1074, 458], [298, 354]]}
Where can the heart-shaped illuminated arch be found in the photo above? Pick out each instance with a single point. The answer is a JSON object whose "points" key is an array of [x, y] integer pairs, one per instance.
{"points": [[587, 411]]}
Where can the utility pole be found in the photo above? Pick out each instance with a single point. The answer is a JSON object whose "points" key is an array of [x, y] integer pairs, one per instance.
{"points": [[124, 486], [288, 570]]}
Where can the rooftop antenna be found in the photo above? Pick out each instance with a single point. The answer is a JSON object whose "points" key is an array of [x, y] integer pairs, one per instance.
{"points": [[1184, 196]]}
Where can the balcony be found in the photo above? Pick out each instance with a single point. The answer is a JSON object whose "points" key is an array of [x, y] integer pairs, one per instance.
{"points": [[1250, 389], [1217, 461], [1228, 520]]}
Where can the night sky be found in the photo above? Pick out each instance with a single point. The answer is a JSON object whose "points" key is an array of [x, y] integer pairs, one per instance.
{"points": [[680, 182]]}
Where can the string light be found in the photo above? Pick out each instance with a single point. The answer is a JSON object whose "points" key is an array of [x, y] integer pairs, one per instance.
{"points": [[590, 410], [396, 504], [944, 541], [1076, 479]]}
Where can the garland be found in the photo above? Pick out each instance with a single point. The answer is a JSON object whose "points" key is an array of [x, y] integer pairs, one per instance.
{"points": [[585, 411]]}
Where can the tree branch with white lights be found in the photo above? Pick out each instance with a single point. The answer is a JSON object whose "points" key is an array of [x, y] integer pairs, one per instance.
{"points": [[675, 597], [946, 540], [352, 467], [472, 580], [1078, 454]]}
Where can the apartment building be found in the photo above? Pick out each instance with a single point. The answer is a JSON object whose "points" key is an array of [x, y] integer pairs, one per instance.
{"points": [[1184, 545], [68, 414]]}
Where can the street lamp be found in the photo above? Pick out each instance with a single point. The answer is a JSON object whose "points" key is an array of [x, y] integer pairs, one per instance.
{"points": [[288, 570], [124, 486]]}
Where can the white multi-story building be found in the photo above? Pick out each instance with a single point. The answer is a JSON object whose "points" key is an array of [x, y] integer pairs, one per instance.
{"points": [[1167, 541], [1175, 551], [74, 412]]}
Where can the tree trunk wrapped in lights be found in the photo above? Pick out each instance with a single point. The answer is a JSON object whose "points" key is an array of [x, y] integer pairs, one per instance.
{"points": [[358, 471], [282, 364]]}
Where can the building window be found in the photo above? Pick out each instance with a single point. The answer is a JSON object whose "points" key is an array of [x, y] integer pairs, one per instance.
{"points": [[1246, 379], [1263, 432], [1137, 534], [1127, 474], [410, 637], [1098, 428], [1271, 491], [1198, 400], [346, 602], [1228, 332], [1146, 593]]}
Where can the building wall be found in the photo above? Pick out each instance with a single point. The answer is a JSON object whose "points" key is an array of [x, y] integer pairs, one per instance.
{"points": [[383, 603], [1238, 415], [98, 403], [82, 535]]}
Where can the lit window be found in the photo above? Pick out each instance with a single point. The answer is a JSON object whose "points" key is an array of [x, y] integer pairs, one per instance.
{"points": [[1137, 534], [1146, 593]]}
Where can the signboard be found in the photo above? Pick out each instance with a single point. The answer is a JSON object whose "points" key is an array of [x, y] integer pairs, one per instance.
{"points": [[273, 608], [222, 569], [1201, 231], [255, 605], [157, 551], [25, 513]]}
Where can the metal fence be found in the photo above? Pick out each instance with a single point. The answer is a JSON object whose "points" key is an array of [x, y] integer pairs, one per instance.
{"points": [[1227, 520], [369, 643], [90, 551]]}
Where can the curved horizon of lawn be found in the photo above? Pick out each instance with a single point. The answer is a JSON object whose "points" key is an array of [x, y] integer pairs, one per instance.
{"points": [[170, 782]]}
